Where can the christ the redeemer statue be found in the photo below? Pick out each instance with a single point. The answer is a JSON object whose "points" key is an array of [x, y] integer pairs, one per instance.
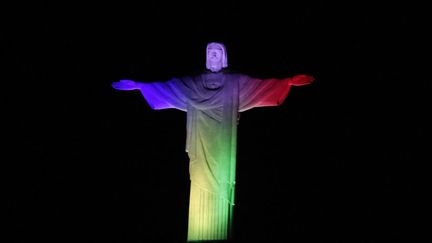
{"points": [[212, 102]]}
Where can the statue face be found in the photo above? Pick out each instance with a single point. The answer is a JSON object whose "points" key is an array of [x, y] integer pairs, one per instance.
{"points": [[214, 58], [214, 54]]}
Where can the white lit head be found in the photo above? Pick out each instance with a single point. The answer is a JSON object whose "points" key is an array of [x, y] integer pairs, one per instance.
{"points": [[216, 56]]}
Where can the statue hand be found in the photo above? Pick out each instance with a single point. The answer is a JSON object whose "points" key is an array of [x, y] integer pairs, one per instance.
{"points": [[125, 85], [301, 79]]}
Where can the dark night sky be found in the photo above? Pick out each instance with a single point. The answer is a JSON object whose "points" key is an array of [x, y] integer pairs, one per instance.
{"points": [[335, 163]]}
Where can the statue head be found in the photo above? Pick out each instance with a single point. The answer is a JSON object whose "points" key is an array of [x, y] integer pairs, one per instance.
{"points": [[216, 56]]}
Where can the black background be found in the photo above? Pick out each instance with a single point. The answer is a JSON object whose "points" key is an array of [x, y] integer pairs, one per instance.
{"points": [[335, 163]]}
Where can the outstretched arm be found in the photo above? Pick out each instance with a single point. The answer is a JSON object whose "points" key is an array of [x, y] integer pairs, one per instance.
{"points": [[159, 95], [268, 92]]}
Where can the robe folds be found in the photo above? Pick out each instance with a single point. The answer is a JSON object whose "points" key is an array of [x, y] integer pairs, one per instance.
{"points": [[212, 118]]}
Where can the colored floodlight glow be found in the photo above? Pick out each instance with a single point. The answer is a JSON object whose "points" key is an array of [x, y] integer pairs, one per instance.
{"points": [[212, 102]]}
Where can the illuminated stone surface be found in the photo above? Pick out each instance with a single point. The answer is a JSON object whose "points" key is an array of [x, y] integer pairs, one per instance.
{"points": [[213, 101]]}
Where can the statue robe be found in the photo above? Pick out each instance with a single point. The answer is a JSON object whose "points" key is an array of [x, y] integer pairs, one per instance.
{"points": [[212, 117]]}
